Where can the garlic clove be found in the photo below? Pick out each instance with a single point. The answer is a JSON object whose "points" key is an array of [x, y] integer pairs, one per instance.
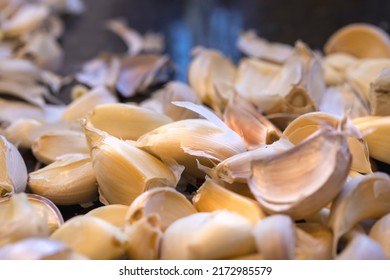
{"points": [[114, 214]]}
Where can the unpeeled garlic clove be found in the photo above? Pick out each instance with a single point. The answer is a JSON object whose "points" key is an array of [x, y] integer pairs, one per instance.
{"points": [[19, 220], [380, 232], [211, 197], [124, 171], [167, 204], [67, 181], [204, 236], [53, 144], [125, 121], [13, 170], [361, 198], [114, 214], [92, 237], [144, 238], [275, 237], [314, 173], [38, 249], [361, 40]]}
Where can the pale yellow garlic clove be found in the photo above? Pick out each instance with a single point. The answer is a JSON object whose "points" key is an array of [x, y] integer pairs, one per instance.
{"points": [[92, 237], [144, 238], [67, 181], [313, 174], [18, 132], [165, 203], [213, 235], [114, 214], [211, 197], [361, 198], [53, 144], [379, 95], [275, 237], [380, 232], [13, 170], [361, 40], [125, 121]]}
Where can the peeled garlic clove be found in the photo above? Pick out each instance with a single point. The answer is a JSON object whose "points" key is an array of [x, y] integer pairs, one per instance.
{"points": [[124, 171], [167, 204], [92, 237], [79, 108], [237, 168], [313, 242], [361, 198], [19, 220], [114, 214], [161, 101], [18, 132], [376, 132], [362, 247], [208, 69], [203, 236], [211, 197], [379, 95], [187, 141], [125, 121], [13, 170], [313, 174], [275, 237], [144, 238], [305, 125], [53, 144], [250, 44], [67, 181], [361, 40], [38, 249], [380, 232]]}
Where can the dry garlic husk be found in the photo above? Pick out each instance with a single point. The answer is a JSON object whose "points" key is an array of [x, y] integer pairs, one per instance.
{"points": [[237, 168], [298, 87], [125, 121], [365, 71], [275, 237], [213, 235], [167, 204], [313, 174], [376, 132], [313, 242], [253, 77], [13, 170], [207, 71], [38, 249], [25, 18], [124, 171], [19, 220], [92, 237], [305, 125], [380, 232], [361, 198], [255, 129], [362, 247], [335, 66], [161, 101], [379, 95], [67, 181], [79, 108], [114, 214], [250, 44], [18, 132], [53, 144], [187, 141], [211, 197], [144, 238], [361, 40]]}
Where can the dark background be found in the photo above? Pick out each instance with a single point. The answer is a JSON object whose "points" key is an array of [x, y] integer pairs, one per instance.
{"points": [[214, 23]]}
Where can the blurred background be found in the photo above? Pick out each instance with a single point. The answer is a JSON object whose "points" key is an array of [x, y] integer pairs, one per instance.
{"points": [[214, 24]]}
